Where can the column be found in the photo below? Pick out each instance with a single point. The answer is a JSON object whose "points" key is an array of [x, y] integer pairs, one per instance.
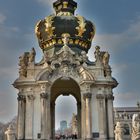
{"points": [[102, 116], [29, 117], [21, 117], [79, 120], [88, 116], [83, 122], [110, 115], [53, 120], [44, 97]]}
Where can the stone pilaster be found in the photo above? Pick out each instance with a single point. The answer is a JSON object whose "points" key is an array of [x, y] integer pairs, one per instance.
{"points": [[44, 97], [53, 120], [21, 117], [110, 115], [29, 117], [102, 116], [87, 97], [83, 135], [79, 119]]}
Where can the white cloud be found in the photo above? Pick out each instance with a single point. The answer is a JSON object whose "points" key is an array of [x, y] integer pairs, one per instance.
{"points": [[126, 99], [118, 41], [2, 18]]}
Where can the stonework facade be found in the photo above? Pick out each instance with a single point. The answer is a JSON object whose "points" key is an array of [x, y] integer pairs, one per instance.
{"points": [[64, 70]]}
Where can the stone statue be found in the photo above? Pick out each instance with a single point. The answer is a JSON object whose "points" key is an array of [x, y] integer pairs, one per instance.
{"points": [[10, 133], [136, 127], [105, 59], [119, 131], [23, 65], [97, 54], [32, 55], [84, 56]]}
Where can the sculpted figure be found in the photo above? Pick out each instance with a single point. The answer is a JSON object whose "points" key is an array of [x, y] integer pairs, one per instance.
{"points": [[135, 127], [10, 133], [23, 63], [105, 59], [119, 131], [84, 56], [32, 55], [97, 54], [65, 38]]}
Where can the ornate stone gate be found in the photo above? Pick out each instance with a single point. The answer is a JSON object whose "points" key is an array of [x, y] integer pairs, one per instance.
{"points": [[65, 69]]}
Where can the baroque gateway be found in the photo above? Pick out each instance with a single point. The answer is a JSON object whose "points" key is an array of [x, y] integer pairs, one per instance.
{"points": [[65, 69]]}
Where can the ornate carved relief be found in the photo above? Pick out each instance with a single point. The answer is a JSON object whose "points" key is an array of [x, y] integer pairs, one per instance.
{"points": [[119, 131], [32, 55], [44, 95], [21, 98], [136, 127], [30, 97], [87, 95]]}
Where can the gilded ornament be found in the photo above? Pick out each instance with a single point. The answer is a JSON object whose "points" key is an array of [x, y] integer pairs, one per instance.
{"points": [[37, 32], [65, 4], [70, 41], [59, 41], [80, 43], [64, 14], [49, 28], [92, 33], [76, 41], [82, 26], [54, 41]]}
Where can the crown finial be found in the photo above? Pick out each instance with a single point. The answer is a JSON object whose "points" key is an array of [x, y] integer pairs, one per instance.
{"points": [[65, 6]]}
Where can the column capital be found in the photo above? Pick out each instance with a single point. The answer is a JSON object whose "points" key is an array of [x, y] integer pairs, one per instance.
{"points": [[87, 95], [21, 98], [30, 97], [100, 96], [110, 97], [44, 95]]}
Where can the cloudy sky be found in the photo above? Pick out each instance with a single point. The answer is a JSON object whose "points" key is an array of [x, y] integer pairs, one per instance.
{"points": [[117, 31]]}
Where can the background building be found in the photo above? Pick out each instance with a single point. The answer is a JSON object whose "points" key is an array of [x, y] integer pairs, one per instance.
{"points": [[63, 126]]}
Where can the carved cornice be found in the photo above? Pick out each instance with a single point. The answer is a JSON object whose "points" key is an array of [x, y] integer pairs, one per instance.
{"points": [[100, 96], [44, 95]]}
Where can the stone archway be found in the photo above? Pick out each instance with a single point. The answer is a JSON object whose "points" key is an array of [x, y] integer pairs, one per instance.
{"points": [[65, 87]]}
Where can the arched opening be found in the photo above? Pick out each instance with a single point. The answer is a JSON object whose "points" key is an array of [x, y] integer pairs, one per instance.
{"points": [[66, 117], [65, 87]]}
